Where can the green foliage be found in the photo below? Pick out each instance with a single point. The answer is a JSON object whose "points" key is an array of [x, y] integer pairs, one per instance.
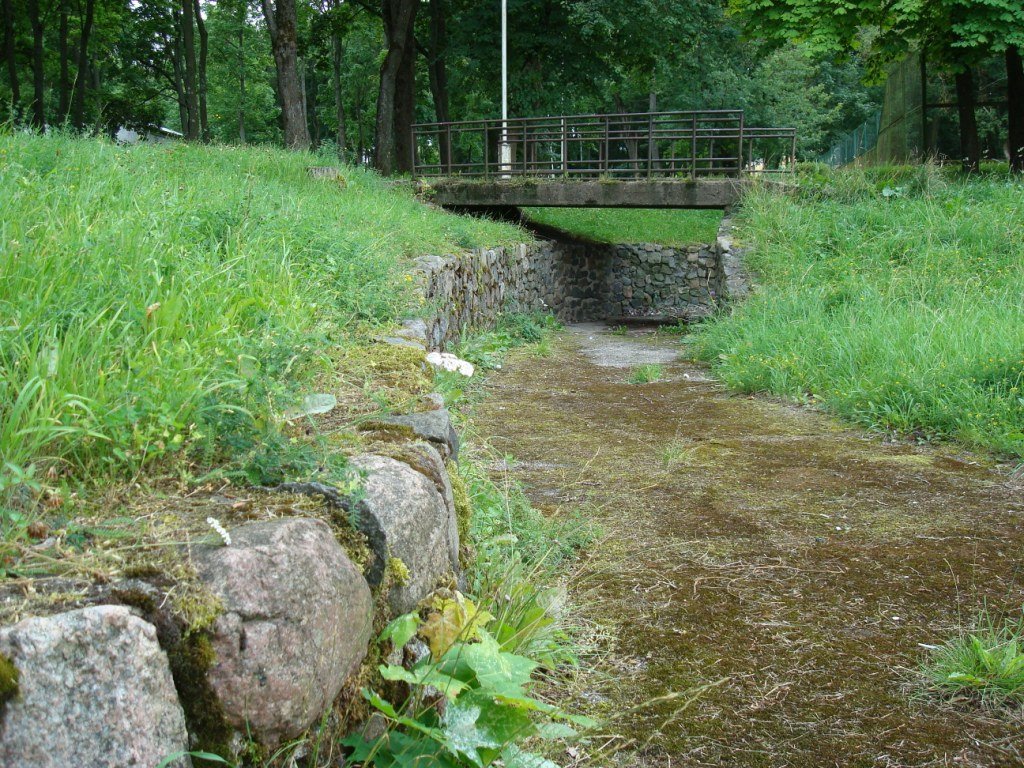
{"points": [[954, 33], [898, 310], [985, 663], [483, 651], [486, 350], [505, 526], [646, 374], [488, 707], [627, 225], [167, 303]]}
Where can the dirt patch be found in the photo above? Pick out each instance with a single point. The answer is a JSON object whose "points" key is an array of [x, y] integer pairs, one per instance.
{"points": [[764, 548]]}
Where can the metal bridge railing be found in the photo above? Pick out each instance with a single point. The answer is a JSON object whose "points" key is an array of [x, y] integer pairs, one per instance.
{"points": [[623, 146]]}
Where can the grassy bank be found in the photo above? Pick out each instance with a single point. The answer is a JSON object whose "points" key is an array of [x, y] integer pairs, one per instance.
{"points": [[890, 297], [164, 302], [162, 307], [626, 225]]}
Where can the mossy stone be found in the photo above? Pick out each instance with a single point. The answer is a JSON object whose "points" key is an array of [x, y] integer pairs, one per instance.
{"points": [[8, 680]]}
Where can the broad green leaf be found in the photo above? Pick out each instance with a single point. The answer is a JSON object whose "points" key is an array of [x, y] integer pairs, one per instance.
{"points": [[401, 630], [556, 731], [514, 757], [464, 737], [426, 675], [496, 671], [379, 703]]}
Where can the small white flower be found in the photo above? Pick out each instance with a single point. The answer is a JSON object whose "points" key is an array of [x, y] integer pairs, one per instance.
{"points": [[450, 362], [214, 523]]}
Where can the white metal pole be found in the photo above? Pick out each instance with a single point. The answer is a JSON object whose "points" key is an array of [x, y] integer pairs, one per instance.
{"points": [[504, 67], [506, 153]]}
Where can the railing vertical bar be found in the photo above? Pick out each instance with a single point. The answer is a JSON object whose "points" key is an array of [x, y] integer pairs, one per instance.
{"points": [[448, 147], [693, 147], [607, 148], [650, 146], [565, 147], [412, 150], [739, 148]]}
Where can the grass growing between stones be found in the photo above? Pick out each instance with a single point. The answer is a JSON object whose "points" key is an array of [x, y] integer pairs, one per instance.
{"points": [[891, 297], [628, 225]]}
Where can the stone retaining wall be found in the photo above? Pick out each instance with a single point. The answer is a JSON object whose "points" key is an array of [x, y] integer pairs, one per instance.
{"points": [[578, 282]]}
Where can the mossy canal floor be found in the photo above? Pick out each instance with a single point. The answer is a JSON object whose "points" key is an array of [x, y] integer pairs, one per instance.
{"points": [[792, 563]]}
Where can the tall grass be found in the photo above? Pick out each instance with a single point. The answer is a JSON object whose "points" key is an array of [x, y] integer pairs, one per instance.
{"points": [[157, 299], [893, 298]]}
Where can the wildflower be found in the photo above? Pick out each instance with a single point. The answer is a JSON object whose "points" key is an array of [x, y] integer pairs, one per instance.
{"points": [[214, 523]]}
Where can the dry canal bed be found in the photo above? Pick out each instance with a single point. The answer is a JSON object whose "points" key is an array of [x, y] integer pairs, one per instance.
{"points": [[794, 565]]}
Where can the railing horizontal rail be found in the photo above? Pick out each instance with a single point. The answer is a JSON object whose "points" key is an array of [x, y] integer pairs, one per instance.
{"points": [[630, 145]]}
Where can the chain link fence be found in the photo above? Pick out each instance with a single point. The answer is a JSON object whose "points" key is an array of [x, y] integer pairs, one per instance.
{"points": [[918, 118]]}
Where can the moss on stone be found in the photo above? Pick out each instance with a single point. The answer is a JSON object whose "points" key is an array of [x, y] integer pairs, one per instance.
{"points": [[399, 571], [8, 680], [463, 512], [190, 661]]}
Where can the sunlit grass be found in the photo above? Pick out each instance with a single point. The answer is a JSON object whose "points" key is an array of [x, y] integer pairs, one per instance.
{"points": [[169, 300], [892, 298], [632, 225]]}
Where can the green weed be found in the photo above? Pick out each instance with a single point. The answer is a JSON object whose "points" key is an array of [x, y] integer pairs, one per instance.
{"points": [[986, 663], [677, 453], [646, 374]]}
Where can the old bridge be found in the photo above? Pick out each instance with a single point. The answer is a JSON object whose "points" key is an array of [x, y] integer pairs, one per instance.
{"points": [[694, 159]]}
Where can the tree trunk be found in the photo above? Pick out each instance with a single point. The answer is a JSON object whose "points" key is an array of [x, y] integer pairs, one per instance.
{"points": [[311, 90], [241, 73], [438, 71], [204, 46], [12, 65], [64, 53], [399, 17], [82, 74], [339, 104], [179, 78], [405, 105], [282, 23], [360, 103], [1015, 103], [970, 147], [38, 82], [188, 45]]}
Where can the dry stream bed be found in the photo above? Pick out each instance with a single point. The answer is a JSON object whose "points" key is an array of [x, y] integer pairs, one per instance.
{"points": [[793, 564]]}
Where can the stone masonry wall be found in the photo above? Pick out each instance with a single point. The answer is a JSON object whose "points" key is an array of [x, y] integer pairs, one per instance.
{"points": [[577, 281]]}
